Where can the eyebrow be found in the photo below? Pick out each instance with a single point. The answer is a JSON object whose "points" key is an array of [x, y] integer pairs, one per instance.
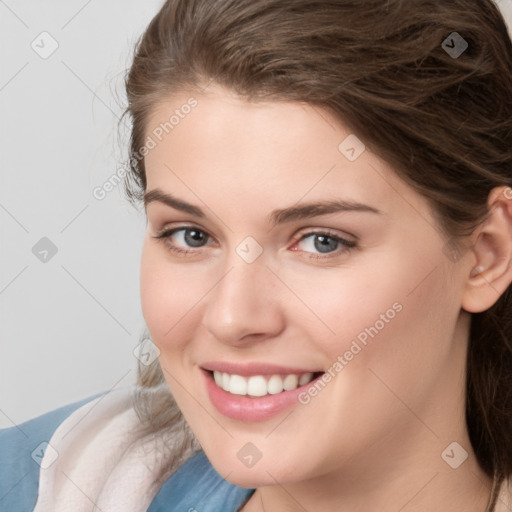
{"points": [[279, 216], [157, 195]]}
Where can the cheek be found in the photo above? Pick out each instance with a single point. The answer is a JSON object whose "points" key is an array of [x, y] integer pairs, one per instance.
{"points": [[349, 304], [384, 312], [169, 299], [404, 331]]}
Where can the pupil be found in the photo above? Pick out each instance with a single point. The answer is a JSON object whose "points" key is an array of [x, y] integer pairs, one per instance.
{"points": [[194, 238], [325, 243]]}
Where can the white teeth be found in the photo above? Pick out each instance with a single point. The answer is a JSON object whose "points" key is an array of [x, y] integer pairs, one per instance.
{"points": [[259, 385], [225, 381], [275, 385], [291, 382], [218, 378], [256, 386], [305, 378], [237, 385]]}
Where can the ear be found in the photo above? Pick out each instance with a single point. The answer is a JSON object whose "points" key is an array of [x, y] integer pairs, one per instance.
{"points": [[492, 251]]}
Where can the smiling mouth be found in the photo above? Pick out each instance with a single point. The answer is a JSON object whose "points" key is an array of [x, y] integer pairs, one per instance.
{"points": [[261, 385]]}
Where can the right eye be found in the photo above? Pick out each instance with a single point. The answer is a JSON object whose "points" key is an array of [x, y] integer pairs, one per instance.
{"points": [[184, 240]]}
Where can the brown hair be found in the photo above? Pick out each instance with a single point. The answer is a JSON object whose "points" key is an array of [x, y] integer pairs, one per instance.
{"points": [[442, 120]]}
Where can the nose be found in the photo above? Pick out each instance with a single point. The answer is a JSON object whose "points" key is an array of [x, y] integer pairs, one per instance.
{"points": [[244, 306]]}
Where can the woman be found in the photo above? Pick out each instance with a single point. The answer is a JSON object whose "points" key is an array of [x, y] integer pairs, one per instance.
{"points": [[326, 271]]}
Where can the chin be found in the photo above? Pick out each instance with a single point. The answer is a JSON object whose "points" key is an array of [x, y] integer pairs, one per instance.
{"points": [[261, 473], [256, 477]]}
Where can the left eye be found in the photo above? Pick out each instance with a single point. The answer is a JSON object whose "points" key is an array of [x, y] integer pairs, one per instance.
{"points": [[183, 240], [324, 243], [190, 237]]}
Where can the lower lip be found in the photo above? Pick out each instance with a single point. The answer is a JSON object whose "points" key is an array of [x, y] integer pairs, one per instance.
{"points": [[251, 409]]}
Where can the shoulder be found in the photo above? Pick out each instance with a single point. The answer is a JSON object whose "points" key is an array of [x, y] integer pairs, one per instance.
{"points": [[21, 452], [196, 486], [92, 450]]}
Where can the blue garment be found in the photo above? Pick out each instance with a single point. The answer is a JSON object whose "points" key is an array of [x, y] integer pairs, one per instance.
{"points": [[194, 487], [197, 487]]}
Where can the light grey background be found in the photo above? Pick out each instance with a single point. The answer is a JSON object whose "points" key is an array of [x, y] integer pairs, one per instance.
{"points": [[69, 324]]}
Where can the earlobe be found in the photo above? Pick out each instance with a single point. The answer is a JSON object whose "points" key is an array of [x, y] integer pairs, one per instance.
{"points": [[492, 250]]}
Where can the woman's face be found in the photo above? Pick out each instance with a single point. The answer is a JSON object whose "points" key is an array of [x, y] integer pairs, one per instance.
{"points": [[295, 250]]}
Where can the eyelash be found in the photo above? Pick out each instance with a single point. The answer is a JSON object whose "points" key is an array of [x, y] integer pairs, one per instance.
{"points": [[347, 245]]}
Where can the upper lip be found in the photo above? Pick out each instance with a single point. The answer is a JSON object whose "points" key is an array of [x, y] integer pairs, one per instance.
{"points": [[249, 369]]}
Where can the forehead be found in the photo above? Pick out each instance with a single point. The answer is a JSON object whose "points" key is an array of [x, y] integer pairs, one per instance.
{"points": [[268, 125], [211, 141]]}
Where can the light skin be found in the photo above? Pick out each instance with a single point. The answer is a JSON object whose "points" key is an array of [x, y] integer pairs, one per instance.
{"points": [[372, 439]]}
